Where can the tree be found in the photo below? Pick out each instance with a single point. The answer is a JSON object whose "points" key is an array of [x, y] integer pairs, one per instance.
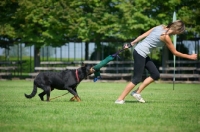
{"points": [[54, 23], [35, 23], [189, 12], [7, 31]]}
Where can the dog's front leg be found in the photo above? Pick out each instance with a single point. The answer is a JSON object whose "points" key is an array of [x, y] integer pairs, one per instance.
{"points": [[73, 98], [77, 98], [72, 91]]}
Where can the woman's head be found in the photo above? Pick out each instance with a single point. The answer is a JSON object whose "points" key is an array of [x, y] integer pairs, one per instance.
{"points": [[177, 26]]}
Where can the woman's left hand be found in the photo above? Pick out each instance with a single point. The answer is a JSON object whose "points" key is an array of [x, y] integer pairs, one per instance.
{"points": [[193, 56]]}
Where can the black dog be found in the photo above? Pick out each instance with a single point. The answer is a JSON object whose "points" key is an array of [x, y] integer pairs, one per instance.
{"points": [[64, 80]]}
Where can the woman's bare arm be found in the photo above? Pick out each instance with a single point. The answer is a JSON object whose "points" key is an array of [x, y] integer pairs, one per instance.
{"points": [[141, 36], [166, 38]]}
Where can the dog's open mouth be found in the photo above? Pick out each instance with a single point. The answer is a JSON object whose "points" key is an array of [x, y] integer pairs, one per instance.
{"points": [[91, 71]]}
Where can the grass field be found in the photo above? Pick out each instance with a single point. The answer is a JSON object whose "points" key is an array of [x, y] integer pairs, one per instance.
{"points": [[165, 110]]}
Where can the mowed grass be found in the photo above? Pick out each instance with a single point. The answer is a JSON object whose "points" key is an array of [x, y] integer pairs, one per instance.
{"points": [[165, 110]]}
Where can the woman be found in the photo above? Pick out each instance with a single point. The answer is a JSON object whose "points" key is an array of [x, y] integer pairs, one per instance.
{"points": [[155, 37]]}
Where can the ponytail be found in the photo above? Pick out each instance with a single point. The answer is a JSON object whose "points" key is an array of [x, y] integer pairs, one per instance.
{"points": [[177, 25]]}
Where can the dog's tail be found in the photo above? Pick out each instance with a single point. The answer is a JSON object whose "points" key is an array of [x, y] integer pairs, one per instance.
{"points": [[33, 92]]}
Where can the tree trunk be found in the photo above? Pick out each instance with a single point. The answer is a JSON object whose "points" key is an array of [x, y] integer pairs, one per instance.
{"points": [[36, 56], [98, 53], [86, 51]]}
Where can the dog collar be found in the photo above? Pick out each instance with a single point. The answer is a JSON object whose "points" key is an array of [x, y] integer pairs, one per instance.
{"points": [[77, 75]]}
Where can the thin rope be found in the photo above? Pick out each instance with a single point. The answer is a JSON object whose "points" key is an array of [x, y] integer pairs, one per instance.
{"points": [[59, 96]]}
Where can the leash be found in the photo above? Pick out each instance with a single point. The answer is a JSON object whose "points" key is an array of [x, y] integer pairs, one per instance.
{"points": [[107, 60], [59, 96], [119, 51]]}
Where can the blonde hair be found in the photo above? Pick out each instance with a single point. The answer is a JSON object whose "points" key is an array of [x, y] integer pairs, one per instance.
{"points": [[177, 25]]}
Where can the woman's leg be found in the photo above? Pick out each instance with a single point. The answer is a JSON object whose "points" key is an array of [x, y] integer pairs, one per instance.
{"points": [[139, 64], [154, 75], [127, 89], [144, 84]]}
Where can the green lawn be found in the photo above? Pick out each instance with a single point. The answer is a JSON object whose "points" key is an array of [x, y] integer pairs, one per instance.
{"points": [[165, 110]]}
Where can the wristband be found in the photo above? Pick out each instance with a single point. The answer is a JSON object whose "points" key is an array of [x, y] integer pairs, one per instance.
{"points": [[129, 45]]}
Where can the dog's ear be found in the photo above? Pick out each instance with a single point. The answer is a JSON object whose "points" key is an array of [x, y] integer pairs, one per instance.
{"points": [[83, 64], [89, 69]]}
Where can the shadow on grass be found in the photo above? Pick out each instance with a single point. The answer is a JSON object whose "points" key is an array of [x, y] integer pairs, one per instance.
{"points": [[132, 101]]}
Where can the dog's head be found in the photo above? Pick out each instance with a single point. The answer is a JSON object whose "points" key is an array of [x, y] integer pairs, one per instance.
{"points": [[87, 69]]}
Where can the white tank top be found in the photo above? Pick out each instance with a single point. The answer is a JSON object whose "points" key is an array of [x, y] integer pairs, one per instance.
{"points": [[151, 41]]}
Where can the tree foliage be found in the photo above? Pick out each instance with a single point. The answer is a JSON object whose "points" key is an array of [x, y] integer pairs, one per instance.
{"points": [[55, 22]]}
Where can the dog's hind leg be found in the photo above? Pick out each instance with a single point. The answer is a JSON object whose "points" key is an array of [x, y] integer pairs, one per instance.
{"points": [[41, 95], [48, 91]]}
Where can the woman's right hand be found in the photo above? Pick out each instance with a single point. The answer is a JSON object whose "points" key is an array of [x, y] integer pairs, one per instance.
{"points": [[133, 42]]}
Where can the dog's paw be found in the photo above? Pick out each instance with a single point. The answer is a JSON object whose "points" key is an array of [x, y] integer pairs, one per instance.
{"points": [[78, 99], [72, 99]]}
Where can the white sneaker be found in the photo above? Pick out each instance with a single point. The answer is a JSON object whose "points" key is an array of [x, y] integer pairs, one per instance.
{"points": [[138, 97], [119, 102]]}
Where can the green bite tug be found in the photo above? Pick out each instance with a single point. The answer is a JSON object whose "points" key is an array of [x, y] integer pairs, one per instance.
{"points": [[106, 61]]}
